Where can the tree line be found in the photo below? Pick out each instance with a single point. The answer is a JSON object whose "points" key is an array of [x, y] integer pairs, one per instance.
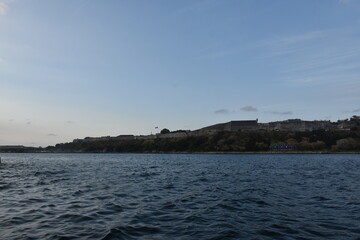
{"points": [[240, 141]]}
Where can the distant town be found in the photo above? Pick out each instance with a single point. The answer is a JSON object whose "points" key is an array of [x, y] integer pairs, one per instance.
{"points": [[234, 136], [293, 125]]}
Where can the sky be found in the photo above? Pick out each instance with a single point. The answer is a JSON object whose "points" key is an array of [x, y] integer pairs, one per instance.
{"points": [[76, 68]]}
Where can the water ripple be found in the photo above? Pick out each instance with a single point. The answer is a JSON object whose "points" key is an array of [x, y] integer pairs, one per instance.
{"points": [[139, 196]]}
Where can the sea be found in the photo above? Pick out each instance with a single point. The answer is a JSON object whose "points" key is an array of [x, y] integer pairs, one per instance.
{"points": [[180, 196]]}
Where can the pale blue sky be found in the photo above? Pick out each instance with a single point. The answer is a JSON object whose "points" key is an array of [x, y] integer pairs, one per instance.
{"points": [[76, 68]]}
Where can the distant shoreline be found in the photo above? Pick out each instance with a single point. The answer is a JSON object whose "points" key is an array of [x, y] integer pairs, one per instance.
{"points": [[214, 153]]}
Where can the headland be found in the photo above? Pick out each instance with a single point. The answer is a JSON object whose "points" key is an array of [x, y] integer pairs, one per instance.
{"points": [[240, 136]]}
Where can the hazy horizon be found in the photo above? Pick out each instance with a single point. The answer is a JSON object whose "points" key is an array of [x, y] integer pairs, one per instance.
{"points": [[72, 69]]}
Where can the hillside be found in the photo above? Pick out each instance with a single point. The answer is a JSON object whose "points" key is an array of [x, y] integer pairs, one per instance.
{"points": [[226, 141]]}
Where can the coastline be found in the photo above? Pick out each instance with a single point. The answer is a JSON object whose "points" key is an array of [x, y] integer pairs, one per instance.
{"points": [[200, 153]]}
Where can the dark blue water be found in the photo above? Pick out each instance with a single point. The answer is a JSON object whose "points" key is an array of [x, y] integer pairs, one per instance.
{"points": [[124, 196]]}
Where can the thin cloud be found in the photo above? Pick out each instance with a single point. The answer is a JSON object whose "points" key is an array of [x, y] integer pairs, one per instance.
{"points": [[344, 1], [275, 47], [356, 110], [229, 51], [292, 44], [52, 135], [320, 79], [280, 113], [28, 122], [222, 111], [336, 60], [195, 6], [3, 8], [70, 122], [249, 109], [302, 37], [318, 62]]}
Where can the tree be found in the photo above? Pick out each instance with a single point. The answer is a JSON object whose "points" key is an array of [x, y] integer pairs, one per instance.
{"points": [[165, 130]]}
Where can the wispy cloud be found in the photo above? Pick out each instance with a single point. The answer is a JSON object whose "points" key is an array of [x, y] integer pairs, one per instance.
{"points": [[334, 79], [330, 61], [70, 122], [219, 54], [195, 6], [298, 38], [52, 135], [327, 57], [249, 109], [278, 46], [2, 61], [222, 111], [344, 1], [280, 113], [3, 8], [292, 44]]}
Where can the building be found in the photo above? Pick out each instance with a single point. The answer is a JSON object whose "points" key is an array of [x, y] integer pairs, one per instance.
{"points": [[229, 126], [294, 125]]}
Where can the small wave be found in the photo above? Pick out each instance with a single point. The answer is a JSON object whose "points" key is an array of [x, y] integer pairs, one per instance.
{"points": [[169, 186], [227, 234], [332, 226], [4, 186], [269, 233], [59, 237], [48, 173], [56, 180], [78, 193], [285, 229], [355, 230], [103, 197], [33, 200], [148, 174], [168, 205], [228, 207], [203, 179], [195, 218], [320, 198], [129, 232], [256, 201], [14, 221], [353, 203], [75, 217], [122, 195], [108, 209], [261, 202], [316, 233], [113, 207]]}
